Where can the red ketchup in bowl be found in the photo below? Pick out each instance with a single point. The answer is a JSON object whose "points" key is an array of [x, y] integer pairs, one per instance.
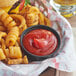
{"points": [[40, 42]]}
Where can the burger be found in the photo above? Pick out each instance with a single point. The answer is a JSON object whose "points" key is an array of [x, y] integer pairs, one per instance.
{"points": [[7, 4], [13, 6]]}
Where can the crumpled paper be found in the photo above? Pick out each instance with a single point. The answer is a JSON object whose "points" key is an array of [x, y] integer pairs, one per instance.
{"points": [[64, 61]]}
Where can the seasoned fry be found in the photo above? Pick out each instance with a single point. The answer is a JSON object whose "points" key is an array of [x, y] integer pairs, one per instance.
{"points": [[6, 19], [0, 46], [15, 52], [12, 36], [22, 25], [30, 9], [31, 15], [7, 53], [11, 28], [25, 10], [31, 19], [2, 34], [34, 9], [1, 23], [23, 60], [3, 44], [47, 22], [2, 55], [41, 18], [20, 18], [17, 44], [2, 28], [14, 61], [22, 29], [18, 40], [35, 23]]}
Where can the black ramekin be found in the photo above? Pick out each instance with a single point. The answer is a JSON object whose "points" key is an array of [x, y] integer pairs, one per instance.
{"points": [[33, 57]]}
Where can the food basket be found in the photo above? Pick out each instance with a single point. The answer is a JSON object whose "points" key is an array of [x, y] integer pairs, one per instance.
{"points": [[60, 62]]}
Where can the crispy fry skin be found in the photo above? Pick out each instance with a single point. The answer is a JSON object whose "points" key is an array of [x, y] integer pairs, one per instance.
{"points": [[18, 40], [2, 34], [2, 55], [2, 28], [20, 18], [31, 15], [41, 19], [23, 60], [12, 36], [15, 52], [32, 19], [3, 44], [30, 9], [6, 51], [11, 28], [25, 10], [47, 22], [34, 9], [14, 61], [22, 26], [1, 23], [12, 52], [17, 44], [6, 19], [22, 29]]}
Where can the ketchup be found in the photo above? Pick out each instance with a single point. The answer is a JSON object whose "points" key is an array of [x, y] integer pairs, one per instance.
{"points": [[40, 42]]}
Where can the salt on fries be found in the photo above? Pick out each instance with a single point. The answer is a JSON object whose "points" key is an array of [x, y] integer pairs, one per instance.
{"points": [[11, 28]]}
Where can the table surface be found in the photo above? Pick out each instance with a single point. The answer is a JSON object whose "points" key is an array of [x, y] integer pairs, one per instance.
{"points": [[54, 72]]}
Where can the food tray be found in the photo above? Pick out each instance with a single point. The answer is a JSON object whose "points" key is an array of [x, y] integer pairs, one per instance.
{"points": [[62, 26]]}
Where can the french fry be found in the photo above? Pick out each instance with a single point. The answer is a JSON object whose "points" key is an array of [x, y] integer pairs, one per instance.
{"points": [[2, 28], [18, 40], [7, 53], [12, 36], [23, 60], [6, 19], [2, 55], [20, 21], [2, 34], [41, 19], [15, 52], [47, 22], [14, 61], [1, 23], [3, 44]]}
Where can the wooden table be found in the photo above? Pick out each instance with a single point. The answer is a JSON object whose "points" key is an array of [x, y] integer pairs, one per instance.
{"points": [[54, 72]]}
